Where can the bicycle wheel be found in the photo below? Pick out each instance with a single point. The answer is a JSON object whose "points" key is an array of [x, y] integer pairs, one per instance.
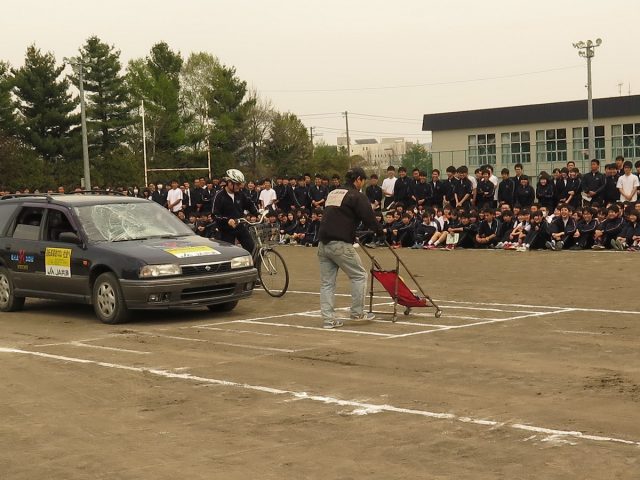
{"points": [[273, 272]]}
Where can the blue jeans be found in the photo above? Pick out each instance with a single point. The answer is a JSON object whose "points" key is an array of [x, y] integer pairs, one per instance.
{"points": [[340, 255]]}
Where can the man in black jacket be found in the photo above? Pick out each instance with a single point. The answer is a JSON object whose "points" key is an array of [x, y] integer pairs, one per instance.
{"points": [[345, 209], [228, 206], [593, 184]]}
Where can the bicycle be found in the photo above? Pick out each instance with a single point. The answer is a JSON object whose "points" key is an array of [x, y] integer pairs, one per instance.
{"points": [[272, 269]]}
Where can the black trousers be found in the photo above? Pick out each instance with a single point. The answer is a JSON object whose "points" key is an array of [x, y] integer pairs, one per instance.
{"points": [[241, 234]]}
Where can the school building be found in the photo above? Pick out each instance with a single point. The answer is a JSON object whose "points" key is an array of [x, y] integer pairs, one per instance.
{"points": [[541, 137]]}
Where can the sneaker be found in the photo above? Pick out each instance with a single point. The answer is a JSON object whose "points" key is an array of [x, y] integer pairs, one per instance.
{"points": [[559, 245], [370, 245], [633, 249], [396, 245], [597, 246], [332, 324], [551, 245], [450, 247], [617, 244], [512, 246], [500, 245], [365, 317], [429, 246], [505, 245], [521, 248]]}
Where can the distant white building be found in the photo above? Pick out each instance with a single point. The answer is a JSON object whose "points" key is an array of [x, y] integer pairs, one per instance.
{"points": [[378, 155]]}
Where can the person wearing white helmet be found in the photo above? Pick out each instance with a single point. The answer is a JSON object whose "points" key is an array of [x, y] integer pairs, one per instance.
{"points": [[229, 205]]}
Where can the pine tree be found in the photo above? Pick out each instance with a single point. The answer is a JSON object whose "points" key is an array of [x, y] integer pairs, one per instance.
{"points": [[108, 110], [46, 120], [7, 114]]}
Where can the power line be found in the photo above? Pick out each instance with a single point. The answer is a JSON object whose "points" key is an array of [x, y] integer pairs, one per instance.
{"points": [[381, 116], [417, 85], [413, 134]]}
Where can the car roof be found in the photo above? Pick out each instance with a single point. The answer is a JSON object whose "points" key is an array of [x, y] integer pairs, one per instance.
{"points": [[72, 200]]}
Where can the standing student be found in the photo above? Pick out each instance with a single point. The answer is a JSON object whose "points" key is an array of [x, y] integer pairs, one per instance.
{"points": [[524, 193], [449, 185], [422, 193], [388, 185], [268, 196], [345, 209], [174, 198], [374, 192], [485, 191], [463, 189], [593, 184], [506, 189], [437, 189], [544, 192], [574, 189], [628, 184]]}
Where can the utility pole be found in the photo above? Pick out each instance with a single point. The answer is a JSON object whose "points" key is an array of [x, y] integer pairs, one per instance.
{"points": [[587, 51], [144, 145], [311, 138], [77, 63], [620, 89], [346, 120]]}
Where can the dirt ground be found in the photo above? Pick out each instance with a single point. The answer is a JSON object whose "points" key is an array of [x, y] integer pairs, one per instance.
{"points": [[533, 371]]}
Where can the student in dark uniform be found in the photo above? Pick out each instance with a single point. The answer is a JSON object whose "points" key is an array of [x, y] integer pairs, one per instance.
{"points": [[593, 184], [402, 188], [486, 190], [449, 185], [545, 193], [506, 189], [487, 235], [228, 206], [585, 228], [574, 189], [374, 192], [463, 189], [610, 193], [562, 229], [422, 192], [524, 193], [437, 189]]}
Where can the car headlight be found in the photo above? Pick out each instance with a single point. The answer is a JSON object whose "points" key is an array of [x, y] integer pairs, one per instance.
{"points": [[242, 262], [154, 271]]}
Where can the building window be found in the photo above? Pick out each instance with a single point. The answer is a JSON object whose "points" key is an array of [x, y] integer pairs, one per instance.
{"points": [[516, 147], [581, 143], [625, 140], [551, 145], [482, 149]]}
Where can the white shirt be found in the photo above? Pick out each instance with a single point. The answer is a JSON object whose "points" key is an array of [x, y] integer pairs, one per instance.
{"points": [[173, 195], [494, 180], [628, 184], [388, 185], [267, 197]]}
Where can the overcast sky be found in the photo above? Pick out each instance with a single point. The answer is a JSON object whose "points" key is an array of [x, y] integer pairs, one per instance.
{"points": [[431, 56]]}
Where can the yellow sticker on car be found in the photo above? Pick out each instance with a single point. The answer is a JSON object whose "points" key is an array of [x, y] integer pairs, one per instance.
{"points": [[187, 252], [57, 262]]}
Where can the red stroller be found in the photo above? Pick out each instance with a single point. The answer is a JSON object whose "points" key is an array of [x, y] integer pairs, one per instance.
{"points": [[397, 288]]}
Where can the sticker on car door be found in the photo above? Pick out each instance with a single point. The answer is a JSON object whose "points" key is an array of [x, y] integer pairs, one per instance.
{"points": [[57, 262]]}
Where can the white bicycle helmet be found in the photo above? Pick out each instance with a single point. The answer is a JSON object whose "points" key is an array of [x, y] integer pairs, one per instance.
{"points": [[234, 175]]}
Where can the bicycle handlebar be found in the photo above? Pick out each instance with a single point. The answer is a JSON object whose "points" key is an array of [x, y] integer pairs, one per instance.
{"points": [[261, 218]]}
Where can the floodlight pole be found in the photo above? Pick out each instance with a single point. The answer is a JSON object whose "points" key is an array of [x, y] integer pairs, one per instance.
{"points": [[587, 51], [144, 144]]}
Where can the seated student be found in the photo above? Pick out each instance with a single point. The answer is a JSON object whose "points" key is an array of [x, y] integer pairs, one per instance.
{"points": [[274, 227], [404, 232], [425, 230], [506, 225], [629, 238], [585, 229], [300, 232], [453, 231], [562, 229], [389, 222], [487, 231], [468, 232], [440, 229], [538, 233], [521, 228], [609, 229], [439, 239]]}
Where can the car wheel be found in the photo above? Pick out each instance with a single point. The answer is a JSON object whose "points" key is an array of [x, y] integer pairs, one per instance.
{"points": [[8, 300], [108, 301], [223, 307]]}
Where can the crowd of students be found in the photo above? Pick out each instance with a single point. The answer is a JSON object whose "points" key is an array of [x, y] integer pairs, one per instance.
{"points": [[567, 209]]}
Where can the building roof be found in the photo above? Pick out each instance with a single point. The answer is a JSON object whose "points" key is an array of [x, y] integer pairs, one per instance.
{"points": [[525, 114], [366, 141]]}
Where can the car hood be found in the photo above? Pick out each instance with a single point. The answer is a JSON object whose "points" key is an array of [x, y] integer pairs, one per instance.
{"points": [[182, 250]]}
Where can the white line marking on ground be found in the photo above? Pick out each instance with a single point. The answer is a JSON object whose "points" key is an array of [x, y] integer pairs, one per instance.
{"points": [[100, 347], [577, 309], [578, 332], [256, 347], [172, 337], [338, 330], [453, 327], [231, 330], [361, 406]]}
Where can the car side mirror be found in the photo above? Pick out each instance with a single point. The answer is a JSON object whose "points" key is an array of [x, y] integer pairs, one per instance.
{"points": [[69, 237]]}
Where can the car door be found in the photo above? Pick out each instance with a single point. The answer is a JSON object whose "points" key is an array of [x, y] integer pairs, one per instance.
{"points": [[66, 268], [23, 248]]}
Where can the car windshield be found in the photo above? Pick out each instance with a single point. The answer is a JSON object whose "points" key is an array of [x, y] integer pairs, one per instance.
{"points": [[118, 222]]}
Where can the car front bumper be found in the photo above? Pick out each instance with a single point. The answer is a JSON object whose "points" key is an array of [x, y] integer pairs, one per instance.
{"points": [[191, 291]]}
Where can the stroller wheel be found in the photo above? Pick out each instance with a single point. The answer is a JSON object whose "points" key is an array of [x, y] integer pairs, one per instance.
{"points": [[407, 310], [438, 313]]}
